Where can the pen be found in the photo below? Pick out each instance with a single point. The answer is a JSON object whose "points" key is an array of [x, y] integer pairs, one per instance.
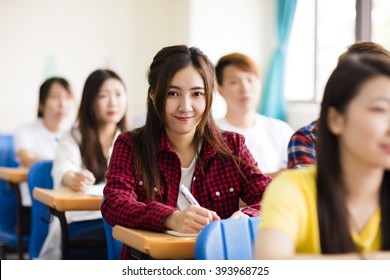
{"points": [[188, 195]]}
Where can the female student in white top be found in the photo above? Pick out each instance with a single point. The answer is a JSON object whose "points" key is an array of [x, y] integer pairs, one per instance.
{"points": [[39, 140], [84, 151], [341, 208]]}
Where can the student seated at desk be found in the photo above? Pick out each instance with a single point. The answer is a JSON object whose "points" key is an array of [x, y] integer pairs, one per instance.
{"points": [[302, 145], [84, 151], [180, 144], [39, 140], [341, 208], [239, 84]]}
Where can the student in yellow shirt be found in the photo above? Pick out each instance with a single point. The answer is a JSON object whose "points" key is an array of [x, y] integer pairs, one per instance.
{"points": [[341, 208]]}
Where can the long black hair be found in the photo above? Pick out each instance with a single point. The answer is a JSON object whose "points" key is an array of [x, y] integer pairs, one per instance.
{"points": [[91, 150], [166, 63], [342, 87]]}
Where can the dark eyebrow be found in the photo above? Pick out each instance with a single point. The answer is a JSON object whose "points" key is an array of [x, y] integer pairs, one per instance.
{"points": [[194, 88]]}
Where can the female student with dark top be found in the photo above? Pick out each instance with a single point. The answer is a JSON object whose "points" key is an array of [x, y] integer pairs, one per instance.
{"points": [[84, 151], [341, 208], [179, 150]]}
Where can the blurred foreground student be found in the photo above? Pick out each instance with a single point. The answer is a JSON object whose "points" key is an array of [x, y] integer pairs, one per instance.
{"points": [[39, 140], [302, 145], [180, 145], [341, 208], [267, 138], [83, 154]]}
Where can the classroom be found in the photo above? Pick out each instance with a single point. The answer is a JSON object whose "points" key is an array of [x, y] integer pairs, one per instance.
{"points": [[114, 65]]}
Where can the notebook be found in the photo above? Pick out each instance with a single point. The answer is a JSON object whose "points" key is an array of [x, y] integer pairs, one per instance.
{"points": [[95, 190], [181, 234]]}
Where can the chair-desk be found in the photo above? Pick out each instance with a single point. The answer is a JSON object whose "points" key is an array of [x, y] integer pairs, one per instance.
{"points": [[64, 199], [13, 176], [157, 245]]}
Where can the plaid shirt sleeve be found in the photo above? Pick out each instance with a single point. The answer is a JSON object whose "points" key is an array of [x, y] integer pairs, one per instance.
{"points": [[121, 205], [301, 148]]}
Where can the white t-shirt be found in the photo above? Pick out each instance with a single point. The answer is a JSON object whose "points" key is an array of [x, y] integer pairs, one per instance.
{"points": [[40, 142], [267, 140], [37, 139]]}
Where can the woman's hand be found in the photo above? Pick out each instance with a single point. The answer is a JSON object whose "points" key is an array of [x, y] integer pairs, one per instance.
{"points": [[77, 181], [381, 255], [190, 220], [239, 215]]}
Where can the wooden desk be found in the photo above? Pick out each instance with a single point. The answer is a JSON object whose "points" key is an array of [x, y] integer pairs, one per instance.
{"points": [[156, 244], [65, 199], [13, 176]]}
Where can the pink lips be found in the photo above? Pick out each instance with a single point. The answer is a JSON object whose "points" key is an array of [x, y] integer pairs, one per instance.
{"points": [[183, 119], [386, 148], [245, 99]]}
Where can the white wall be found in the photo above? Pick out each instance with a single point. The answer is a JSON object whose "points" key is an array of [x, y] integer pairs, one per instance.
{"points": [[72, 38], [220, 27], [69, 37]]}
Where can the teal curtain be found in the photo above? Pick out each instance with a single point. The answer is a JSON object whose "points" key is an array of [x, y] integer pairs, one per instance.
{"points": [[273, 103]]}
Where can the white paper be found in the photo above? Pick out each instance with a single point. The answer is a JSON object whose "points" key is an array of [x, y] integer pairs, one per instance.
{"points": [[181, 234], [95, 190]]}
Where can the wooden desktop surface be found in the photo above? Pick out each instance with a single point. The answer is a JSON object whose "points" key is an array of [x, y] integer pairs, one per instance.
{"points": [[14, 175], [156, 244], [65, 199]]}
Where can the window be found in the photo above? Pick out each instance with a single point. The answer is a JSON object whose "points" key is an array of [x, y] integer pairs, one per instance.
{"points": [[322, 30], [380, 17]]}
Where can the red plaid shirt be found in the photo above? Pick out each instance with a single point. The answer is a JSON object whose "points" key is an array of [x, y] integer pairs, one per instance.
{"points": [[218, 188]]}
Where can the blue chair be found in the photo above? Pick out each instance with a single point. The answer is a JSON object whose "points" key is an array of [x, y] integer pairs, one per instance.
{"points": [[231, 239], [40, 176], [114, 247], [9, 202]]}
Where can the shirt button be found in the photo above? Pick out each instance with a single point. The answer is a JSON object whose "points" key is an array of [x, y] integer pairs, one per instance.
{"points": [[217, 193], [231, 190], [193, 179], [155, 189], [140, 183]]}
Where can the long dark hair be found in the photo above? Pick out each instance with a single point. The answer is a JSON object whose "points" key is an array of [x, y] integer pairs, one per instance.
{"points": [[91, 150], [44, 90], [342, 87], [167, 62]]}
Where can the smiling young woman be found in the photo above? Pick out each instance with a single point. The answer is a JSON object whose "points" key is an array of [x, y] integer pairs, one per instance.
{"points": [[180, 145]]}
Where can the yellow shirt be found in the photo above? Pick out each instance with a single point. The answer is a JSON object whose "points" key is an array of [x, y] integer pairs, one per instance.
{"points": [[290, 205]]}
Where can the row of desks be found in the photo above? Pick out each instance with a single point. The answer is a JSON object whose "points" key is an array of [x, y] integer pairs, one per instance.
{"points": [[13, 177], [156, 245]]}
